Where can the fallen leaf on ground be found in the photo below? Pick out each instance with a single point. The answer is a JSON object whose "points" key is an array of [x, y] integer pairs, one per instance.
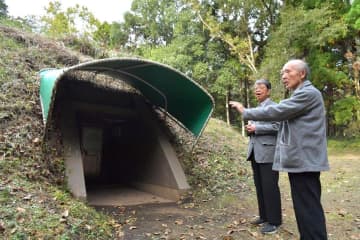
{"points": [[20, 220], [190, 205], [201, 238], [27, 197], [20, 210], [179, 222], [65, 214], [342, 212], [2, 227], [121, 209], [230, 232], [227, 238], [254, 234], [355, 237]]}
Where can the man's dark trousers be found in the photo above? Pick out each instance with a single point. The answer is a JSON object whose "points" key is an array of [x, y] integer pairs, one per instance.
{"points": [[267, 191], [306, 194]]}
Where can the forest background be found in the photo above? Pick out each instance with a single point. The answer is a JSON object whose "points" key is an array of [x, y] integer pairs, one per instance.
{"points": [[225, 45]]}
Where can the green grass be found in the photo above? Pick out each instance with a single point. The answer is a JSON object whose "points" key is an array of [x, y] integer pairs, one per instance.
{"points": [[32, 210], [217, 163], [341, 145], [19, 23]]}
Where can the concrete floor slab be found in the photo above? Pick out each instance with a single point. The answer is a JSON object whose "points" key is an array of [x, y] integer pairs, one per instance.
{"points": [[121, 196]]}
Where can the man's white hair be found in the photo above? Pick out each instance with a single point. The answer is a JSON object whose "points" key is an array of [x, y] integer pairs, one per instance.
{"points": [[300, 65]]}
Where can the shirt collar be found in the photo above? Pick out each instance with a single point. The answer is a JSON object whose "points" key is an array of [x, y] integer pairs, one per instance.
{"points": [[264, 102]]}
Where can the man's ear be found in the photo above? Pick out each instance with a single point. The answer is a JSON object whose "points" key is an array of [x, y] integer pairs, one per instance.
{"points": [[303, 74], [268, 92]]}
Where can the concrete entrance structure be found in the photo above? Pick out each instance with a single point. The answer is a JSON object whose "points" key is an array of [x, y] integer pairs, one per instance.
{"points": [[116, 153], [112, 146]]}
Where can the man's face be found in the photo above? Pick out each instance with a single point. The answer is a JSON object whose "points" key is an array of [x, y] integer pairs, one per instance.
{"points": [[291, 77], [261, 92]]}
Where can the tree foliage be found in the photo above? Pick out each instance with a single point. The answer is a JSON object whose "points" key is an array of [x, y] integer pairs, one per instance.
{"points": [[353, 16], [327, 52], [151, 22], [345, 110], [226, 44], [3, 9], [77, 20], [242, 26], [295, 38]]}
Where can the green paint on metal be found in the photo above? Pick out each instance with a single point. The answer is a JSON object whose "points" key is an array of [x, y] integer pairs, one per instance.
{"points": [[48, 77], [162, 85]]}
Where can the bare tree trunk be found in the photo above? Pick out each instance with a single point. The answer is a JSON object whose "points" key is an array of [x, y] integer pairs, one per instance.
{"points": [[246, 103], [329, 101], [227, 98], [243, 128], [246, 93], [356, 68]]}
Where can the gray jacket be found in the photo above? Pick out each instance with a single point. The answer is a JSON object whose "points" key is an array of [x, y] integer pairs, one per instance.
{"points": [[301, 143], [262, 141]]}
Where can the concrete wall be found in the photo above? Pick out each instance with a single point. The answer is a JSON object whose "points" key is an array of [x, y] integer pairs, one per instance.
{"points": [[162, 173], [73, 160]]}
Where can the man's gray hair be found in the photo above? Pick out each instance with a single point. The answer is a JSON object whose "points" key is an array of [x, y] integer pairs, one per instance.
{"points": [[265, 82], [301, 65]]}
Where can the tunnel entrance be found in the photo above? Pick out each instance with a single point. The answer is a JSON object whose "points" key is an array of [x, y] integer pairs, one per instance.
{"points": [[113, 154], [115, 151], [109, 147], [111, 136]]}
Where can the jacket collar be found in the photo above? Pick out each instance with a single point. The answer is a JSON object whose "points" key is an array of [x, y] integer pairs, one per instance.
{"points": [[306, 83], [263, 103]]}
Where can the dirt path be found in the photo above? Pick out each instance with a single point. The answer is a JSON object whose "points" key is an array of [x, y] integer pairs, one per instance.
{"points": [[228, 216], [341, 196]]}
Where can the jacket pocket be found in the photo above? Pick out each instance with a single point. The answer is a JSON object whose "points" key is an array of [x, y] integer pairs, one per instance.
{"points": [[285, 134], [268, 140], [289, 156]]}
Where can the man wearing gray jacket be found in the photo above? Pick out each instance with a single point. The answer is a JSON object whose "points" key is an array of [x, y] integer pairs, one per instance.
{"points": [[301, 148], [261, 154]]}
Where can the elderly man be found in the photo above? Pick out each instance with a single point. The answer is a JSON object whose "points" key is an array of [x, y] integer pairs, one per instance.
{"points": [[301, 148], [261, 154]]}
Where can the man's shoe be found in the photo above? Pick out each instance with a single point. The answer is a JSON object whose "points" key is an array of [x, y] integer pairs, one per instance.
{"points": [[258, 221], [269, 229]]}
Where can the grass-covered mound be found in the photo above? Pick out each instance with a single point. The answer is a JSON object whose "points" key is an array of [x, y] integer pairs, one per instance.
{"points": [[34, 201]]}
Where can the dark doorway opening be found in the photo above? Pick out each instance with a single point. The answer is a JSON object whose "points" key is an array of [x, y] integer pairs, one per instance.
{"points": [[116, 152]]}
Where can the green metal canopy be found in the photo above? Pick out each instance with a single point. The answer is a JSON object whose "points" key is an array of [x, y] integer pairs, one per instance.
{"points": [[166, 88]]}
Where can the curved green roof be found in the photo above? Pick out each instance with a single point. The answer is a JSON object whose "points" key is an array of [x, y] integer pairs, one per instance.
{"points": [[179, 96]]}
